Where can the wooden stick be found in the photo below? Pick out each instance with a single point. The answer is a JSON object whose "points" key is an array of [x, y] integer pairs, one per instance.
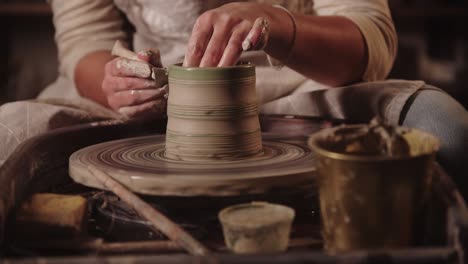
{"points": [[140, 247], [98, 245], [159, 221]]}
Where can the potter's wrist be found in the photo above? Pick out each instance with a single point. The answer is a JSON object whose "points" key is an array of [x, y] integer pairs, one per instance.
{"points": [[282, 38], [89, 74]]}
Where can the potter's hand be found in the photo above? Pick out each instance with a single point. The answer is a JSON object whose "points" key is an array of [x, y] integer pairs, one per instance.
{"points": [[129, 88], [219, 35]]}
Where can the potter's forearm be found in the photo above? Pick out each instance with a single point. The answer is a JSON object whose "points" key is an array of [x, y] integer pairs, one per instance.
{"points": [[89, 74], [327, 49]]}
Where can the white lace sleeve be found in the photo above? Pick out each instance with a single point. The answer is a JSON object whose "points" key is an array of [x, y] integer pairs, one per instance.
{"points": [[374, 20], [84, 26]]}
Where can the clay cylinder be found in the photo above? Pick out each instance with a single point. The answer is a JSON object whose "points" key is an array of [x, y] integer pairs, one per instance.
{"points": [[212, 113]]}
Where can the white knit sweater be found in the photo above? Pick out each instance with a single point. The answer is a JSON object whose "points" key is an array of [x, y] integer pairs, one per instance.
{"points": [[84, 26]]}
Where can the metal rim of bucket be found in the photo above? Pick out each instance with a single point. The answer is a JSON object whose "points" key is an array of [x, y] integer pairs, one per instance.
{"points": [[312, 143]]}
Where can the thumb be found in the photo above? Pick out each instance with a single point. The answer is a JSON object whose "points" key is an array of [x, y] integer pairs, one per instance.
{"points": [[152, 56]]}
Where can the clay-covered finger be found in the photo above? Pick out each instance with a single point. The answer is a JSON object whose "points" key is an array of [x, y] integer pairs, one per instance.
{"points": [[197, 44], [152, 56], [134, 97], [258, 35], [215, 49], [152, 109], [112, 84], [129, 68], [233, 50]]}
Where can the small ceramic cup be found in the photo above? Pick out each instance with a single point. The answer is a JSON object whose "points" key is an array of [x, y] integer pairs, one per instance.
{"points": [[212, 113], [257, 227]]}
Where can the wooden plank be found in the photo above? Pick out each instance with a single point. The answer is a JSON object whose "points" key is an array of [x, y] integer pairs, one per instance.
{"points": [[41, 163], [416, 256]]}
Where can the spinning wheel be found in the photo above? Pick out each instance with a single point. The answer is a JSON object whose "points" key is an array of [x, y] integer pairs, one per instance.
{"points": [[141, 164]]}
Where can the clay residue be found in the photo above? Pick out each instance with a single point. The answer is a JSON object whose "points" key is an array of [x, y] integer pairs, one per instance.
{"points": [[377, 138], [133, 67], [256, 216]]}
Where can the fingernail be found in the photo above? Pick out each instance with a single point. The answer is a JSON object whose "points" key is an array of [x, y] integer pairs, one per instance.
{"points": [[165, 90], [119, 63], [246, 44], [126, 111], [258, 35], [145, 53]]}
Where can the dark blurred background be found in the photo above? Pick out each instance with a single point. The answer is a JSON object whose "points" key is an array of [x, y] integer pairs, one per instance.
{"points": [[433, 46]]}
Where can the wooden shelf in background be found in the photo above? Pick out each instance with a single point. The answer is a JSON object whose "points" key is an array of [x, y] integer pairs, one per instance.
{"points": [[25, 9]]}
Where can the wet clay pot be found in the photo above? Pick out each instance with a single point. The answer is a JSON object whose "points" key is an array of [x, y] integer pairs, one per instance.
{"points": [[212, 113]]}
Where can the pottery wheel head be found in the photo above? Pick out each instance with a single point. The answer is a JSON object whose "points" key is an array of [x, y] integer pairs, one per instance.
{"points": [[141, 164]]}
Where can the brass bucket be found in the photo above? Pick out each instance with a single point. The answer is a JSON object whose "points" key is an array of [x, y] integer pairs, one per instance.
{"points": [[371, 201]]}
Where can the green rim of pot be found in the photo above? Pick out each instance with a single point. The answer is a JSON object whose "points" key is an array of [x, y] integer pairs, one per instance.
{"points": [[243, 70]]}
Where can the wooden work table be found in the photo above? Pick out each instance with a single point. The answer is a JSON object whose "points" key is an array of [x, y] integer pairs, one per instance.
{"points": [[40, 165]]}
